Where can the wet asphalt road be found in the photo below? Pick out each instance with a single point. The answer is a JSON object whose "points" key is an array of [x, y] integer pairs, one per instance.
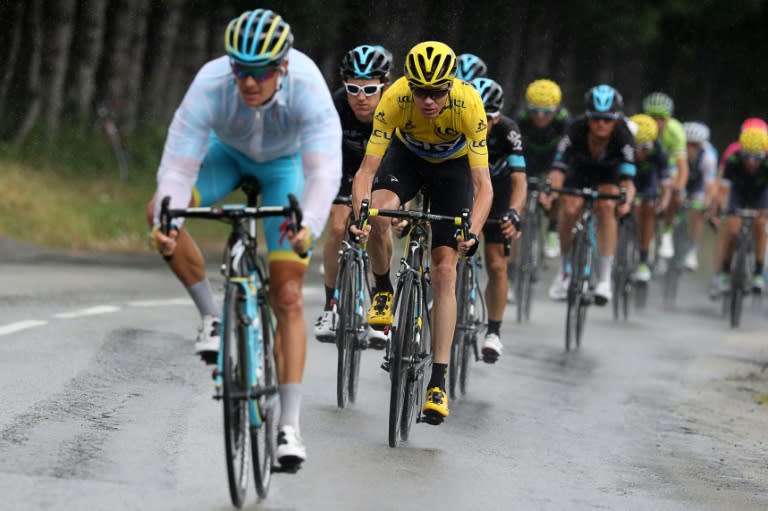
{"points": [[104, 406]]}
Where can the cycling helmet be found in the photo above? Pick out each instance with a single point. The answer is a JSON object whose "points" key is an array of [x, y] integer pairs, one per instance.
{"points": [[647, 130], [603, 98], [754, 122], [696, 132], [543, 94], [491, 93], [430, 65], [258, 38], [658, 104], [366, 62], [753, 140], [470, 67]]}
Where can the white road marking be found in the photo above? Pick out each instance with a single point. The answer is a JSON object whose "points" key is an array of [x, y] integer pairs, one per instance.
{"points": [[160, 303], [20, 325], [91, 311]]}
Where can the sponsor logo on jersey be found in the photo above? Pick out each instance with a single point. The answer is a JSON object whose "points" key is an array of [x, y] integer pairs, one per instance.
{"points": [[481, 125], [404, 99], [628, 152], [382, 134], [440, 149], [516, 140], [381, 117], [446, 132]]}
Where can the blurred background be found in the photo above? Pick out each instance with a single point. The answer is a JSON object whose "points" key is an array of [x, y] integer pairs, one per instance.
{"points": [[89, 86]]}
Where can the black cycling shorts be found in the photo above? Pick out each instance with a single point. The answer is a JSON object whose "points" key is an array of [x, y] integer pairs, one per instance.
{"points": [[449, 181]]}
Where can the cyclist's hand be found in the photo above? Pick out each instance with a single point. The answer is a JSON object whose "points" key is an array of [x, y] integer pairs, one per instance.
{"points": [[400, 226], [165, 245], [623, 209], [510, 228], [468, 247], [360, 234], [300, 241], [546, 200], [678, 196]]}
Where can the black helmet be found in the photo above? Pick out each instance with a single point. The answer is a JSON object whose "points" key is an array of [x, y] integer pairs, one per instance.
{"points": [[366, 62]]}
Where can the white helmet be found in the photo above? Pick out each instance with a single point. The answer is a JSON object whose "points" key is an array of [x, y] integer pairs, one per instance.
{"points": [[696, 132]]}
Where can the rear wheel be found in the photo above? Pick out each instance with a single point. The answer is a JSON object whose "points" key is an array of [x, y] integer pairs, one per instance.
{"points": [[234, 385], [738, 283]]}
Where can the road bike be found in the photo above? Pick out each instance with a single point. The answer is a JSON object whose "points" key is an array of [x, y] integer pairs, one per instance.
{"points": [[581, 261], [245, 376], [352, 297], [410, 354], [529, 252], [741, 266], [675, 265]]}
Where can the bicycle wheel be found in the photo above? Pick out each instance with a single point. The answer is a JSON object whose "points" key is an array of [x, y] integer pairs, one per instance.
{"points": [[536, 258], [264, 438], [359, 307], [575, 291], [413, 353], [234, 384], [402, 333], [619, 272], [468, 349], [738, 282], [345, 331], [462, 315], [523, 272]]}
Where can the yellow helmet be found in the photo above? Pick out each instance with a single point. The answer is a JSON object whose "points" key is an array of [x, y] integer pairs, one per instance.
{"points": [[430, 65], [647, 129], [753, 140], [543, 94]]}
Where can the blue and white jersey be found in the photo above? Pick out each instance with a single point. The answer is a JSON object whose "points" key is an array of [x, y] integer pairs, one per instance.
{"points": [[299, 119]]}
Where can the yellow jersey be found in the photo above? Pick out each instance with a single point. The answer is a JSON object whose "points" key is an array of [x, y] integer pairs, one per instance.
{"points": [[460, 127]]}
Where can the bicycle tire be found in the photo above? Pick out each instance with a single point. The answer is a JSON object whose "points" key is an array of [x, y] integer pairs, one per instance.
{"points": [[358, 309], [523, 273], [537, 256], [462, 315], [468, 347], [619, 271], [344, 333], [398, 370], [414, 377], [574, 298], [235, 410], [738, 282], [264, 438]]}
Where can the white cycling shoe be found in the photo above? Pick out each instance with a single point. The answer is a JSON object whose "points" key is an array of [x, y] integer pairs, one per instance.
{"points": [[491, 348], [603, 292], [291, 452], [208, 339]]}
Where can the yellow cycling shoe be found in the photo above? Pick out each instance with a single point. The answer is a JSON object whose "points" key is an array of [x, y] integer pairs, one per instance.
{"points": [[435, 408], [380, 313]]}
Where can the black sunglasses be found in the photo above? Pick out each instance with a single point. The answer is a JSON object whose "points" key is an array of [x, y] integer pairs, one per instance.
{"points": [[434, 94]]}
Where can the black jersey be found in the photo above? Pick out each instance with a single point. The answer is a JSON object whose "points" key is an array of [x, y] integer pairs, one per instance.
{"points": [[539, 145], [745, 184], [505, 147], [573, 156], [355, 134]]}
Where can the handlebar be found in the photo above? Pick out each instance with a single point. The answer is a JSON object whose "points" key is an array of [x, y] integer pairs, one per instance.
{"points": [[587, 192]]}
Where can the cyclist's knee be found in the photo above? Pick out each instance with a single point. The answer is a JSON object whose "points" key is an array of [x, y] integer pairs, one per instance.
{"points": [[286, 296], [605, 208], [497, 267], [380, 227], [336, 230]]}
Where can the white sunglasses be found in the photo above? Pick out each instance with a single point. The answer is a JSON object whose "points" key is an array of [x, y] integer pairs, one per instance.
{"points": [[368, 90]]}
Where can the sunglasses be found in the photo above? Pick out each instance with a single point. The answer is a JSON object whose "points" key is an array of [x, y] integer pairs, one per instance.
{"points": [[260, 73], [368, 90], [752, 156], [434, 94], [602, 116], [541, 110], [645, 146]]}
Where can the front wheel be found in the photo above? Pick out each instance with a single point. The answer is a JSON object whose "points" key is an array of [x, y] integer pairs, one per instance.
{"points": [[402, 335], [267, 406]]}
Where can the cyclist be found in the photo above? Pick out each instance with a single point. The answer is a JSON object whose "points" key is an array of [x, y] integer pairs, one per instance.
{"points": [[661, 107], [432, 128], [652, 177], [701, 188], [598, 151], [469, 67], [543, 122], [365, 72], [745, 181], [245, 116], [505, 155], [733, 147]]}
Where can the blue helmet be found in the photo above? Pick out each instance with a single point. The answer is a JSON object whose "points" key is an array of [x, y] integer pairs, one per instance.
{"points": [[470, 67], [366, 62], [603, 98], [491, 93]]}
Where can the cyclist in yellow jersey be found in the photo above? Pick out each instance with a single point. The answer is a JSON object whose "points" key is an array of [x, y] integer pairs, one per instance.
{"points": [[429, 128]]}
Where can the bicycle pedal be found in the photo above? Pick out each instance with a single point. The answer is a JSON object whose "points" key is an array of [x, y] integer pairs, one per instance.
{"points": [[209, 357], [286, 468], [491, 357], [385, 365], [431, 418]]}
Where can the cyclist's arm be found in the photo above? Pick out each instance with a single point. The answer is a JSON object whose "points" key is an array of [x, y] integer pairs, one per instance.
{"points": [[483, 196], [709, 171], [516, 162], [475, 130], [363, 181]]}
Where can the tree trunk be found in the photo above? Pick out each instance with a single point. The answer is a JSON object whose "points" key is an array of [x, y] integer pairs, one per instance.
{"points": [[135, 77], [17, 22], [64, 13], [162, 60], [33, 73], [121, 36], [94, 14]]}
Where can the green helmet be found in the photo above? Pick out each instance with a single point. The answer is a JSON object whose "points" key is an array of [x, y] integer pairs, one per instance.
{"points": [[658, 104]]}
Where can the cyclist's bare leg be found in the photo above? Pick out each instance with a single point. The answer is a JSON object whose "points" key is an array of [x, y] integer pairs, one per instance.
{"points": [[695, 226], [570, 209], [443, 272], [646, 215], [380, 238], [607, 226], [337, 226], [496, 290], [758, 234], [285, 297], [725, 242]]}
